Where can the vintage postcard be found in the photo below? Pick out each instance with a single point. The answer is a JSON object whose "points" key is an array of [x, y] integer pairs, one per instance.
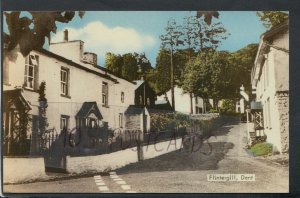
{"points": [[108, 102]]}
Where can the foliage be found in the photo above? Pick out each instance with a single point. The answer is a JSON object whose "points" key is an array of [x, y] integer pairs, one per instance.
{"points": [[228, 105], [272, 18], [161, 121], [114, 63], [259, 139], [130, 65], [172, 38], [170, 42], [144, 65], [161, 77], [243, 60], [213, 111], [204, 34], [182, 43], [42, 94], [43, 121], [209, 76], [30, 33], [208, 15], [262, 149]]}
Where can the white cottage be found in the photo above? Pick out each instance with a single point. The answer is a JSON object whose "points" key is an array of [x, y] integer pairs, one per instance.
{"points": [[74, 84], [270, 80], [183, 102]]}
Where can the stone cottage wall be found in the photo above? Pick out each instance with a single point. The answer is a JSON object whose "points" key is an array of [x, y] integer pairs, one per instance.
{"points": [[283, 108], [133, 121]]}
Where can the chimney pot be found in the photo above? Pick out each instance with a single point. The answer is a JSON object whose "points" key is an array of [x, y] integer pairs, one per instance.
{"points": [[66, 39]]}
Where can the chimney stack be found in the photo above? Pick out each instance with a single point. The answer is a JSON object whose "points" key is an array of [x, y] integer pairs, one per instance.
{"points": [[66, 39]]}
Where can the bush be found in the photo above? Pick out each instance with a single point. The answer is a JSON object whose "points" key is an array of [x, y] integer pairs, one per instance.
{"points": [[259, 139], [262, 149], [213, 111], [161, 121]]}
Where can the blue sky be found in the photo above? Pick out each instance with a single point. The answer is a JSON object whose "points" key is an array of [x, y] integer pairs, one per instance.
{"points": [[139, 31]]}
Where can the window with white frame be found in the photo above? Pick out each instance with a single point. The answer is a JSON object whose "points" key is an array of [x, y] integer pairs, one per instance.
{"points": [[31, 66], [64, 122], [64, 81], [104, 93]]}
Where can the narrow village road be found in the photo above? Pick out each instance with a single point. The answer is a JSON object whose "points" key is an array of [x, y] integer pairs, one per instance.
{"points": [[181, 171]]}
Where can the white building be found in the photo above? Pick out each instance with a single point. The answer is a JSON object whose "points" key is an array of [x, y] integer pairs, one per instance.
{"points": [[241, 103], [183, 101], [74, 82], [270, 79]]}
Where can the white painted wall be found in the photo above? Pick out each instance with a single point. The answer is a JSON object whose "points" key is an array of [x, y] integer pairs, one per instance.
{"points": [[18, 170], [240, 106], [72, 50], [274, 77], [84, 87], [182, 101]]}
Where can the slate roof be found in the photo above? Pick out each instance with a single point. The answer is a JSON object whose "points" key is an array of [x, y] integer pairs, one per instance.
{"points": [[88, 108], [16, 97], [133, 109], [138, 83]]}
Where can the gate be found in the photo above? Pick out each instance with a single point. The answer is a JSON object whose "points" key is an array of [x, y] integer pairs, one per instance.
{"points": [[54, 152]]}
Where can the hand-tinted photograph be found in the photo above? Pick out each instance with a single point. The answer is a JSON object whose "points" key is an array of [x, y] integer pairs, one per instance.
{"points": [[145, 102]]}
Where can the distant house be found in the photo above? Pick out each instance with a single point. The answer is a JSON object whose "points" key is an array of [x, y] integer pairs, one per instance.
{"points": [[270, 81], [242, 101], [183, 102], [144, 95], [163, 104]]}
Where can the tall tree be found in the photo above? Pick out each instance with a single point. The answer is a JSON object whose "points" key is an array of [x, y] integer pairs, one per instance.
{"points": [[162, 77], [170, 40], [144, 65], [209, 76], [114, 63], [30, 32], [201, 32], [243, 60], [272, 18], [190, 40], [210, 35], [130, 67], [207, 15]]}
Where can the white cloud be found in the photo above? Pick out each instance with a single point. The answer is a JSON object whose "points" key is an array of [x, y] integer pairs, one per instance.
{"points": [[99, 39]]}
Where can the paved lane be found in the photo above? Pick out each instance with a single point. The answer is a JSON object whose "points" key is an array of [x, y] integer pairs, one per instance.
{"points": [[181, 172]]}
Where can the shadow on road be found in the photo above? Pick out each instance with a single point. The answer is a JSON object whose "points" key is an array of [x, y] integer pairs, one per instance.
{"points": [[222, 131], [182, 160]]}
